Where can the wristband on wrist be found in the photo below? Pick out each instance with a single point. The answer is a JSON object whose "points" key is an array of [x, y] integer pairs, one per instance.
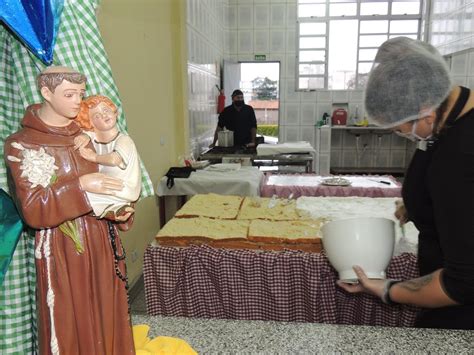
{"points": [[386, 291]]}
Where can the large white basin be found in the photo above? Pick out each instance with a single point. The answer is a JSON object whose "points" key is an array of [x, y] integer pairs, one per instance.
{"points": [[367, 242]]}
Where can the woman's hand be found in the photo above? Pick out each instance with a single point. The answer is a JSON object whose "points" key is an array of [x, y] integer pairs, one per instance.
{"points": [[365, 285], [101, 183], [401, 212]]}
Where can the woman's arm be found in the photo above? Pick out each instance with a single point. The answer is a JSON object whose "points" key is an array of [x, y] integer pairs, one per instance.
{"points": [[425, 291]]}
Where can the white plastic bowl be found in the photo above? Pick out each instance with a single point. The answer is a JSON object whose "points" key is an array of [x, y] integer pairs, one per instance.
{"points": [[367, 242]]}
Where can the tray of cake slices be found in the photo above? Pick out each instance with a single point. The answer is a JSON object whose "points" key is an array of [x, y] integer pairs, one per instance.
{"points": [[242, 223]]}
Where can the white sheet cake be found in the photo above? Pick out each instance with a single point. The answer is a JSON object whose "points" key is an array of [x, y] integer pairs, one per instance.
{"points": [[270, 209], [212, 206], [286, 231], [204, 228]]}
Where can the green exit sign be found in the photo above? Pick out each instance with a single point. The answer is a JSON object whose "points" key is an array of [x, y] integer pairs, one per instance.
{"points": [[260, 57]]}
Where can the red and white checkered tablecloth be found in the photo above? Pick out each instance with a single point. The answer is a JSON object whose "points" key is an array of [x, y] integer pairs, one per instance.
{"points": [[284, 185], [201, 281]]}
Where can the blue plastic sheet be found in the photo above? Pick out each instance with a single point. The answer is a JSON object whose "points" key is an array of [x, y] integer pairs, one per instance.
{"points": [[35, 23], [10, 231]]}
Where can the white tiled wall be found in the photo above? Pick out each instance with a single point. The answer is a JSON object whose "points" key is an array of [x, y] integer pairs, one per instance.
{"points": [[205, 32], [462, 68], [374, 151], [239, 29], [269, 27], [451, 25]]}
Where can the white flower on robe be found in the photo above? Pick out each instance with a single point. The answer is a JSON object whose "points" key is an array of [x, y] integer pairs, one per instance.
{"points": [[36, 165]]}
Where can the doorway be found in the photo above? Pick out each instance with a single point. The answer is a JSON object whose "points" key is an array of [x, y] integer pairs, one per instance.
{"points": [[260, 83]]}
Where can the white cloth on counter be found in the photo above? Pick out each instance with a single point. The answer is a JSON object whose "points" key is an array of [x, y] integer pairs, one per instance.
{"points": [[224, 167], [335, 208], [315, 180], [242, 182], [285, 148]]}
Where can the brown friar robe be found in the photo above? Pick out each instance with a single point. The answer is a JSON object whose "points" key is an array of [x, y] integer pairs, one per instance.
{"points": [[82, 303]]}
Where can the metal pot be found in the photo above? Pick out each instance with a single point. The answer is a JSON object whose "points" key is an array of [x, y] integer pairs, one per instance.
{"points": [[225, 138]]}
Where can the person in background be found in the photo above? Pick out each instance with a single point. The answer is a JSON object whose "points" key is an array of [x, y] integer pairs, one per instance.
{"points": [[81, 292], [239, 118], [410, 91]]}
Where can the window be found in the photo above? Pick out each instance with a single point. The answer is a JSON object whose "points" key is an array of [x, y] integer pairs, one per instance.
{"points": [[338, 39]]}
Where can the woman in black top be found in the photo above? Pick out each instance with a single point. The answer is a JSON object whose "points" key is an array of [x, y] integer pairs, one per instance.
{"points": [[409, 90]]}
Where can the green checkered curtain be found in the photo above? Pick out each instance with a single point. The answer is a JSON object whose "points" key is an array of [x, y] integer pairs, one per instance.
{"points": [[78, 46], [17, 294]]}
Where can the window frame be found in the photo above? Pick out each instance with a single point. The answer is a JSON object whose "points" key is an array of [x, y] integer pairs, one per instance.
{"points": [[327, 19]]}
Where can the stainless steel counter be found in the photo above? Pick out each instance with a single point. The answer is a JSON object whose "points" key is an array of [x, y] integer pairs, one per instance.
{"points": [[216, 154]]}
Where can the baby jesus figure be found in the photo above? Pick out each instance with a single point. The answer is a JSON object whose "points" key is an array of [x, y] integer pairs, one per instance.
{"points": [[115, 153]]}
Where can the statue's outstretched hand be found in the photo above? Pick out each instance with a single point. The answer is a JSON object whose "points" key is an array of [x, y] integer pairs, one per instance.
{"points": [[100, 183]]}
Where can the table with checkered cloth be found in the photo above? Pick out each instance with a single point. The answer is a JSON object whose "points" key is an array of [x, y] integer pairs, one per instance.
{"points": [[201, 281], [284, 185]]}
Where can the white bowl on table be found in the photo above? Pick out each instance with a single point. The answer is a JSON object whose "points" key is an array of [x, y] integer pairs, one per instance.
{"points": [[368, 242]]}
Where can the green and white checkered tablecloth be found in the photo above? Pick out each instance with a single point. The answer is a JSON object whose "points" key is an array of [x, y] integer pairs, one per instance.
{"points": [[78, 46]]}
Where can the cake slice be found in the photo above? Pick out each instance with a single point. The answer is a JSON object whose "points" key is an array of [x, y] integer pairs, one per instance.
{"points": [[212, 206], [286, 232], [268, 208], [202, 228]]}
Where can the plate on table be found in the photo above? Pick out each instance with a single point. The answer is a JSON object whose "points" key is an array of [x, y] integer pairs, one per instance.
{"points": [[336, 181]]}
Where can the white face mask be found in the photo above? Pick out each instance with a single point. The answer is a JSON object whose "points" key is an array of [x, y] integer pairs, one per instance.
{"points": [[413, 136], [417, 137], [408, 135]]}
